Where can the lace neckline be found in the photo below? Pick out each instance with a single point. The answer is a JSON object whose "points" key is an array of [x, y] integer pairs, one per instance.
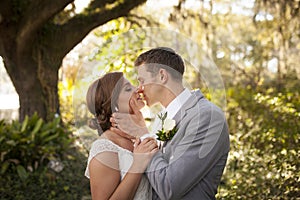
{"points": [[119, 147]]}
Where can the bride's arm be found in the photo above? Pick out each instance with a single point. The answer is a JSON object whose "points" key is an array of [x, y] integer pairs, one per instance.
{"points": [[105, 179], [105, 176], [143, 153]]}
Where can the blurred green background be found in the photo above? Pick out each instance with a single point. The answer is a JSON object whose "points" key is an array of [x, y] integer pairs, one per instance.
{"points": [[243, 55]]}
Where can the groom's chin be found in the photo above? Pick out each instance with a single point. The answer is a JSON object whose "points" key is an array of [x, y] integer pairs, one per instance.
{"points": [[151, 104]]}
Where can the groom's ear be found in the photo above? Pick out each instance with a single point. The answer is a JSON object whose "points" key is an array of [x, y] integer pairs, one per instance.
{"points": [[163, 75]]}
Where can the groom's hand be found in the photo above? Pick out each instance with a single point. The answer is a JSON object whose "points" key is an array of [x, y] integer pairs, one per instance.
{"points": [[132, 124]]}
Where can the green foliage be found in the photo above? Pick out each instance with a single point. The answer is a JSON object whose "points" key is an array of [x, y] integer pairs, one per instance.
{"points": [[264, 158], [119, 56], [164, 135], [45, 183], [40, 161], [33, 143]]}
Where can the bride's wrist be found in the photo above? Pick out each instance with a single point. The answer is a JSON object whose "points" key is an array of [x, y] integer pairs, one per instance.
{"points": [[139, 165]]}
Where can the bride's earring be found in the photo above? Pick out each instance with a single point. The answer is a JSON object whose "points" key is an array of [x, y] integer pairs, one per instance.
{"points": [[116, 109]]}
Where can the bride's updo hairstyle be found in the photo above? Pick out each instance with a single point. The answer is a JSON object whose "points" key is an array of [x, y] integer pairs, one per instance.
{"points": [[102, 97]]}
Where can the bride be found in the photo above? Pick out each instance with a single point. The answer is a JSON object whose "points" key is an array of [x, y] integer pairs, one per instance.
{"points": [[116, 164]]}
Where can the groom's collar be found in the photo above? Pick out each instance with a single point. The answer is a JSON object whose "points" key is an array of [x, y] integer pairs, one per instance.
{"points": [[177, 103], [195, 96]]}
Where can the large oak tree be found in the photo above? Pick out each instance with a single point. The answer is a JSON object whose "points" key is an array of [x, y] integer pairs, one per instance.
{"points": [[34, 39]]}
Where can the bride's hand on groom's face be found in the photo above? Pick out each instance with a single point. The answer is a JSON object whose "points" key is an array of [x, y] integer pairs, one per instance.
{"points": [[129, 124], [133, 124]]}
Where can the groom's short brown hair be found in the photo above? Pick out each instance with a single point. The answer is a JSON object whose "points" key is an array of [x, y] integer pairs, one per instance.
{"points": [[162, 57]]}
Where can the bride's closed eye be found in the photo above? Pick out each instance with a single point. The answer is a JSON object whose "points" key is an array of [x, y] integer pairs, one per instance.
{"points": [[128, 89]]}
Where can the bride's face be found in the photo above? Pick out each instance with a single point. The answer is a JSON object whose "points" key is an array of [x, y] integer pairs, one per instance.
{"points": [[128, 92]]}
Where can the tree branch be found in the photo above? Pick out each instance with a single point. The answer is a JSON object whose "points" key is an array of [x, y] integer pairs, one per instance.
{"points": [[136, 19], [79, 26], [35, 16], [99, 4]]}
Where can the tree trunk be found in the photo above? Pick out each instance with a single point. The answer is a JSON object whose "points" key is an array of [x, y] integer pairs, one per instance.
{"points": [[30, 102], [36, 86]]}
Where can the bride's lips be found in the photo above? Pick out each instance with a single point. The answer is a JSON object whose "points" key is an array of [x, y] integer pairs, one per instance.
{"points": [[141, 96]]}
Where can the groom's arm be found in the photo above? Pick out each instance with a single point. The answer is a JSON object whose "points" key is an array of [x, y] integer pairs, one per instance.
{"points": [[204, 142]]}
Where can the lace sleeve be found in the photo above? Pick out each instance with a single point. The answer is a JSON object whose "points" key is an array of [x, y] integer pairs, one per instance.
{"points": [[99, 146]]}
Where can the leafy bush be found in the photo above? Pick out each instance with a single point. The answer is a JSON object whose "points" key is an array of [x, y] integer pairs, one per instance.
{"points": [[264, 158], [45, 183], [40, 161], [27, 146]]}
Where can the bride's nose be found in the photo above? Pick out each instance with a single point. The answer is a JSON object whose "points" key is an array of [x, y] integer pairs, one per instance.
{"points": [[140, 89]]}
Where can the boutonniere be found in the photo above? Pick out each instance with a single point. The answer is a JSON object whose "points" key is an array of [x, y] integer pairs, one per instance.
{"points": [[168, 129]]}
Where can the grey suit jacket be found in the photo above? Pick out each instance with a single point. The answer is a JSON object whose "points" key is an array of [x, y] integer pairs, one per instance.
{"points": [[193, 161]]}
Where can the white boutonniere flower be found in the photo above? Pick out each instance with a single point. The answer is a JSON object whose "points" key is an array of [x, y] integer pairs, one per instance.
{"points": [[168, 129]]}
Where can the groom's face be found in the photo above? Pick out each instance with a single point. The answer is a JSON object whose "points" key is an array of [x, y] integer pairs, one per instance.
{"points": [[149, 84]]}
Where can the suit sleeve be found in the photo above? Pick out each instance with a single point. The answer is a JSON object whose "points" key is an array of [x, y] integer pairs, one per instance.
{"points": [[203, 141]]}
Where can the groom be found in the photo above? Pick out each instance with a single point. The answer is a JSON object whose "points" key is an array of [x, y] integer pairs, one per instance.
{"points": [[192, 162]]}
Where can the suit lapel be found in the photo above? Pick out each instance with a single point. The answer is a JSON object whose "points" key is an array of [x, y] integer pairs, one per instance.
{"points": [[190, 103]]}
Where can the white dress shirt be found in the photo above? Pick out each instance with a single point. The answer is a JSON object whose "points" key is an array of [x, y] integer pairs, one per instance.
{"points": [[177, 103]]}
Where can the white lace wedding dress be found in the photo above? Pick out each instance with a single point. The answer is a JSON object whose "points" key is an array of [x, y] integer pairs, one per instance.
{"points": [[144, 190]]}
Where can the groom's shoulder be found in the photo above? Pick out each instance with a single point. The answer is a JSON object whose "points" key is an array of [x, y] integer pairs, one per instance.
{"points": [[203, 105]]}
